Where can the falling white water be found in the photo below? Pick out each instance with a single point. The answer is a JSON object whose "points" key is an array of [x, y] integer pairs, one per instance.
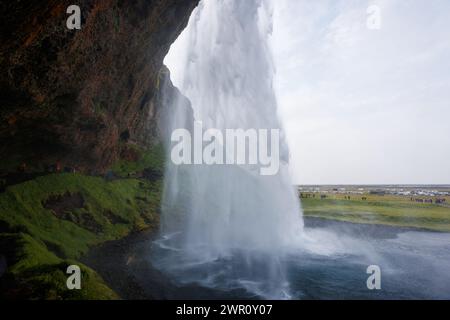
{"points": [[241, 233], [222, 63]]}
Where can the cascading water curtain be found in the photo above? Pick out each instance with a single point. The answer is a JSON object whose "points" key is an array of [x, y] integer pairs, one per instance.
{"points": [[222, 63]]}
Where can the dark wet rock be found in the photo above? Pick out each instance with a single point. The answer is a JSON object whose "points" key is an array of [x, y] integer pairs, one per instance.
{"points": [[114, 218], [129, 154], [152, 174], [3, 265], [65, 207], [75, 96], [61, 204]]}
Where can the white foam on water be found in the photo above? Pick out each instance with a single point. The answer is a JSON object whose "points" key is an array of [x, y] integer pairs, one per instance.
{"points": [[222, 63], [226, 226]]}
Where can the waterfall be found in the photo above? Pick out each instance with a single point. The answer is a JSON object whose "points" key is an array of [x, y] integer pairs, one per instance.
{"points": [[222, 63]]}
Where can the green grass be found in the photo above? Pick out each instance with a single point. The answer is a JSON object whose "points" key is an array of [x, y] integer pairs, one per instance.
{"points": [[39, 244], [153, 158], [21, 207], [38, 273], [388, 210]]}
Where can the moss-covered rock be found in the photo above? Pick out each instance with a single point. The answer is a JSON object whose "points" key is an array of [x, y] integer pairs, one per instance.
{"points": [[51, 221]]}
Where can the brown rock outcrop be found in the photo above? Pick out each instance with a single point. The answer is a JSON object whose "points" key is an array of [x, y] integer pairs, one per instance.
{"points": [[75, 95]]}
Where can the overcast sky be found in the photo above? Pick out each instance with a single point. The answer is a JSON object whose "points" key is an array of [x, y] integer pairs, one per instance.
{"points": [[361, 105]]}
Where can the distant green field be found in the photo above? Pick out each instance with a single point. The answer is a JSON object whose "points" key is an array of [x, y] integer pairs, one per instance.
{"points": [[377, 209]]}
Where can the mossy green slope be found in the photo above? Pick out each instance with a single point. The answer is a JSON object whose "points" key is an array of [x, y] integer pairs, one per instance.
{"points": [[39, 244]]}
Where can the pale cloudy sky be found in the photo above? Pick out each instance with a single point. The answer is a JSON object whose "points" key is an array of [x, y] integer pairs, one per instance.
{"points": [[360, 105]]}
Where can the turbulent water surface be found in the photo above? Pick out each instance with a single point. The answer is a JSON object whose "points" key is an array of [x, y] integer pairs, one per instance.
{"points": [[229, 228], [414, 265], [222, 63]]}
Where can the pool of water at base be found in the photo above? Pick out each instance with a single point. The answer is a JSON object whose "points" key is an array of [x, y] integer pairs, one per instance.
{"points": [[414, 264]]}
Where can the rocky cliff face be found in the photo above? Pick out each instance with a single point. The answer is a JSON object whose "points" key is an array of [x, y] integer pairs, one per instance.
{"points": [[77, 96]]}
